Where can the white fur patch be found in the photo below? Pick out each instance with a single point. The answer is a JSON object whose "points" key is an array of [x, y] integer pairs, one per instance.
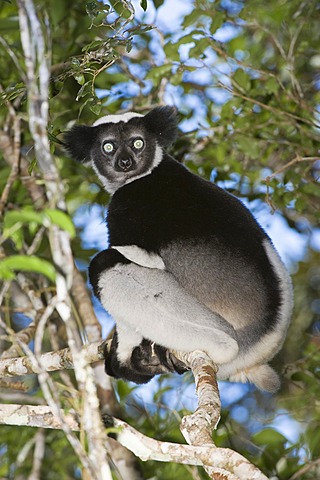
{"points": [[153, 304], [123, 117], [128, 339], [110, 187], [141, 257]]}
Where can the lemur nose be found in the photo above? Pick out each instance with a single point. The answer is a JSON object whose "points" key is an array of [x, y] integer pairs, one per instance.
{"points": [[125, 163]]}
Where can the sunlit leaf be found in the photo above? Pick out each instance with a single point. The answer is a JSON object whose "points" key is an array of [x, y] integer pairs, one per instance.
{"points": [[61, 219], [24, 263]]}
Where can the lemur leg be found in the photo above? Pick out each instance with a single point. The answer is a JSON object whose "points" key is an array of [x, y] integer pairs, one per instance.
{"points": [[130, 356], [149, 303]]}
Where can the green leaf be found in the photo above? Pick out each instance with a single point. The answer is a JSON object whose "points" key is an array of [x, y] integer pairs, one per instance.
{"points": [[94, 8], [22, 216], [272, 86], [82, 91], [201, 45], [217, 21], [129, 45], [249, 146], [172, 51], [312, 435], [311, 189], [227, 111], [192, 18], [9, 24], [94, 45], [32, 165], [176, 79], [158, 3], [306, 377], [62, 219], [45, 218], [159, 72], [79, 77], [269, 436], [242, 79], [144, 4], [95, 106], [26, 263], [300, 204]]}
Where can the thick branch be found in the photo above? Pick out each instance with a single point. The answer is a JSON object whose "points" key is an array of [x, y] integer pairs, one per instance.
{"points": [[144, 447], [51, 361], [197, 428]]}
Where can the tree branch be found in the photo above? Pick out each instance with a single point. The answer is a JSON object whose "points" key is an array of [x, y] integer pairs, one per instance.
{"points": [[196, 428], [238, 467], [37, 62], [51, 361]]}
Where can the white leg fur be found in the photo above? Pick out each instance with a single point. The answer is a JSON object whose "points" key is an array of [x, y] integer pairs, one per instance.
{"points": [[153, 304], [128, 339]]}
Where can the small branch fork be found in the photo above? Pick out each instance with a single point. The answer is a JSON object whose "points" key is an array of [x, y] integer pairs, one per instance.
{"points": [[296, 159], [219, 463]]}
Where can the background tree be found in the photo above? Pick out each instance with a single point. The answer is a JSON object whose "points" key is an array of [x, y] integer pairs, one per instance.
{"points": [[245, 77]]}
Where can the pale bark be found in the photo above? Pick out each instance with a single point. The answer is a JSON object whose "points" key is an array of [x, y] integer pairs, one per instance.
{"points": [[227, 463], [37, 63], [52, 361], [197, 428]]}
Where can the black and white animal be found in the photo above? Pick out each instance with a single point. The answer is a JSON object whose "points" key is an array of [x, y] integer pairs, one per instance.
{"points": [[188, 267]]}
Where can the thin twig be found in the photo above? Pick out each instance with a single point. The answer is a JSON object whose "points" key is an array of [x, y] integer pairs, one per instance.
{"points": [[265, 106], [297, 159], [38, 455], [306, 468]]}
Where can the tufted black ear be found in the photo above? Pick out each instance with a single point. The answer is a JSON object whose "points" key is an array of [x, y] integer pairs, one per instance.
{"points": [[78, 142], [162, 121]]}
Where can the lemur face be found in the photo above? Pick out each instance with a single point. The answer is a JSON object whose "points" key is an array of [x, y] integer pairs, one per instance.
{"points": [[123, 152], [123, 148]]}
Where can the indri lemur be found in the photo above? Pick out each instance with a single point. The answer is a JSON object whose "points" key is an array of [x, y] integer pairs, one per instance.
{"points": [[188, 266]]}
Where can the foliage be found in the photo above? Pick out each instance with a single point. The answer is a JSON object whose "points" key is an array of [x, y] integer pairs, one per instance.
{"points": [[244, 76]]}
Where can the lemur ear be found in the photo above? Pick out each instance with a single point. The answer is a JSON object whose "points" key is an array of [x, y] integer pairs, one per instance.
{"points": [[162, 121], [78, 142]]}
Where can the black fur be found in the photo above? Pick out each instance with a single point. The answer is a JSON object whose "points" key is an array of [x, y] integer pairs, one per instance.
{"points": [[78, 142], [162, 122], [192, 210], [147, 360], [139, 214]]}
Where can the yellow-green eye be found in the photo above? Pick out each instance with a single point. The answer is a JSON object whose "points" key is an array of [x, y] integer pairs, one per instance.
{"points": [[138, 144], [108, 147]]}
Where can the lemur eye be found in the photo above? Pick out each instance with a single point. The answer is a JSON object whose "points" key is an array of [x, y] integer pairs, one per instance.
{"points": [[108, 147], [138, 144]]}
